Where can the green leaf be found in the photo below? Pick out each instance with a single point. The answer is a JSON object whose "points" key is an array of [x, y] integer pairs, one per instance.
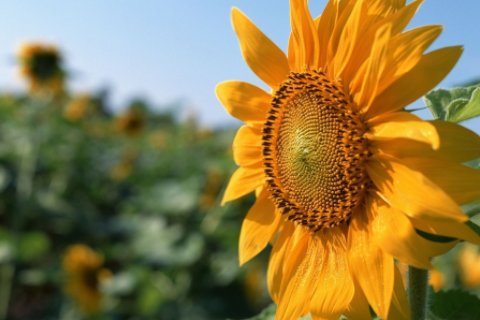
{"points": [[455, 304], [456, 105], [33, 245]]}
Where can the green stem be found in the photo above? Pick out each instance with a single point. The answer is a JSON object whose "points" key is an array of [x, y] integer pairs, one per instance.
{"points": [[418, 292]]}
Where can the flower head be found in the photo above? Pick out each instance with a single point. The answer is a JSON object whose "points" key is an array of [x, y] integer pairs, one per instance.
{"points": [[77, 108], [41, 66], [130, 123], [85, 272], [341, 171]]}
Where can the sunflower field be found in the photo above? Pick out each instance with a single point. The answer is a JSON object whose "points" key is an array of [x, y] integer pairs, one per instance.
{"points": [[114, 216], [333, 201]]}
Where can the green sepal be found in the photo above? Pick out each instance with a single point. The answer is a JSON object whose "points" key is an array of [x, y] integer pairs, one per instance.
{"points": [[456, 105]]}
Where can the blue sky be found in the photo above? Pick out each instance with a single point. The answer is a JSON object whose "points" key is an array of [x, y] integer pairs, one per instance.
{"points": [[170, 51]]}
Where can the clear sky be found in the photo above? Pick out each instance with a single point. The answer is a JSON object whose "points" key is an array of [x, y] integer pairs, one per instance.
{"points": [[170, 51]]}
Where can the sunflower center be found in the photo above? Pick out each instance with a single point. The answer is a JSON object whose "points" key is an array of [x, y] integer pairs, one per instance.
{"points": [[314, 151]]}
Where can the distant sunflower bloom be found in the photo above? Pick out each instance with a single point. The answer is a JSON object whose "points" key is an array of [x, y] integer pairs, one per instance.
{"points": [[469, 263], [40, 65], [339, 168], [77, 108], [130, 123], [84, 271]]}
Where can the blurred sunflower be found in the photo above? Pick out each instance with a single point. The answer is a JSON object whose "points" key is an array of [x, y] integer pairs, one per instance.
{"points": [[41, 66], [436, 279], [213, 184], [84, 270], [77, 108], [339, 168], [130, 123], [469, 263]]}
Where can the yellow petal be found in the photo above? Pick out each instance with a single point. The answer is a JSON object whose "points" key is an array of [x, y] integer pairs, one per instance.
{"points": [[400, 309], [304, 35], [326, 24], [242, 182], [405, 51], [403, 125], [357, 63], [277, 260], [448, 229], [305, 263], [244, 101], [358, 308], [247, 151], [460, 182], [349, 37], [335, 288], [430, 70], [457, 144], [371, 266], [395, 234], [376, 65], [411, 192], [265, 59], [258, 227]]}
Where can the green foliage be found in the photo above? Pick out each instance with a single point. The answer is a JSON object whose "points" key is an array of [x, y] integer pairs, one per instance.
{"points": [[455, 304], [456, 105]]}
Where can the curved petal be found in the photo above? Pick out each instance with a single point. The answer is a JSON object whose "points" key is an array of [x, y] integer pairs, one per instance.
{"points": [[265, 59], [405, 51], [412, 192], [375, 67], [398, 20], [430, 70], [448, 229], [326, 24], [457, 144], [257, 228], [244, 101], [277, 261], [242, 182], [247, 151], [304, 36], [358, 308], [301, 275], [460, 182], [395, 234], [400, 309], [403, 125], [335, 288], [371, 266]]}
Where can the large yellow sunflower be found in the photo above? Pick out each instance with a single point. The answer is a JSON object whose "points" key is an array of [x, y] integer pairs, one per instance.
{"points": [[338, 167]]}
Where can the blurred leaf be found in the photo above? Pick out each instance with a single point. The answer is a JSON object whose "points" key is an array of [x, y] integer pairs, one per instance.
{"points": [[455, 304], [456, 105], [33, 245], [122, 283], [150, 299], [6, 251], [5, 178], [33, 277]]}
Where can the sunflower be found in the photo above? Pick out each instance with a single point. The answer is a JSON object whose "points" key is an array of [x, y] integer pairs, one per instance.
{"points": [[40, 65], [130, 123], [469, 263], [344, 176], [85, 272], [77, 108]]}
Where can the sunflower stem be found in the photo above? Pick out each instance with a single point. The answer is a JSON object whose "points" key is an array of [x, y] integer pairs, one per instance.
{"points": [[418, 292]]}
